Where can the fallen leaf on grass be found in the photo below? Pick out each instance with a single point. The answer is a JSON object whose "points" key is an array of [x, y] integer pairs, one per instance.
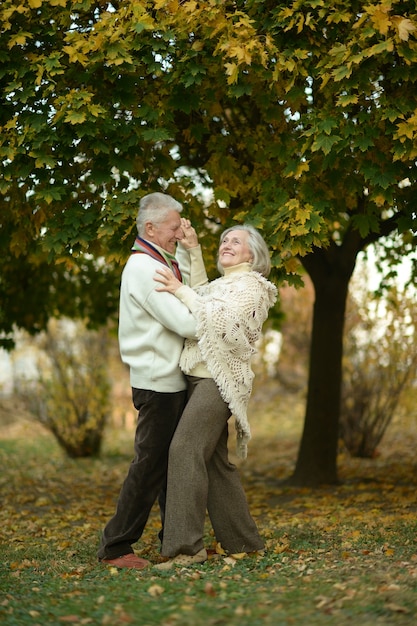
{"points": [[323, 602], [240, 611], [209, 590], [121, 617], [279, 548], [396, 608], [389, 587], [114, 571], [239, 556], [155, 590]]}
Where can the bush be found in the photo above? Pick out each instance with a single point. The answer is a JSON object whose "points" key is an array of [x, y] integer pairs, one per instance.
{"points": [[380, 356], [71, 396]]}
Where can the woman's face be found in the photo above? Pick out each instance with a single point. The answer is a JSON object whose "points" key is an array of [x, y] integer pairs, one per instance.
{"points": [[234, 248]]}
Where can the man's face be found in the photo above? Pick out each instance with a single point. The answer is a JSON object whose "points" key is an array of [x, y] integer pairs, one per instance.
{"points": [[166, 234]]}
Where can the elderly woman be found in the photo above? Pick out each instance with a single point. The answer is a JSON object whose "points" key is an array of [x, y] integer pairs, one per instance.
{"points": [[230, 312]]}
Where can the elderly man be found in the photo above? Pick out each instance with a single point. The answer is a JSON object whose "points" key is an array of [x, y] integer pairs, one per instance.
{"points": [[152, 327]]}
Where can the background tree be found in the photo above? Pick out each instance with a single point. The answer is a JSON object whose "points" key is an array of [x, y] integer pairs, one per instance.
{"points": [[300, 117]]}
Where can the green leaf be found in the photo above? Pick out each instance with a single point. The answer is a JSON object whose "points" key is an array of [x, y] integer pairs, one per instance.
{"points": [[222, 194], [342, 72], [363, 142], [384, 46], [362, 224], [325, 143], [155, 134]]}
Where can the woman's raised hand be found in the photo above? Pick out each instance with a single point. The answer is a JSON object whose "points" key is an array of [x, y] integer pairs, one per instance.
{"points": [[190, 239]]}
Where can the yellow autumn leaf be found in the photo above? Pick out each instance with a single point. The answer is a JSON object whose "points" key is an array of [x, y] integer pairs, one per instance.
{"points": [[191, 6], [231, 72], [163, 4], [404, 26], [35, 4], [42, 501], [241, 53], [74, 54], [303, 215], [303, 166], [381, 20], [379, 200], [19, 39], [406, 129], [292, 264], [198, 46]]}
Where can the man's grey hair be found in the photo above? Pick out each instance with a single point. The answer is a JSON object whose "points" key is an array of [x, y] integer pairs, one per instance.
{"points": [[154, 207], [261, 259]]}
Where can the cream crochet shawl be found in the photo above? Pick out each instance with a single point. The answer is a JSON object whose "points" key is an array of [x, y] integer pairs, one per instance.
{"points": [[230, 312]]}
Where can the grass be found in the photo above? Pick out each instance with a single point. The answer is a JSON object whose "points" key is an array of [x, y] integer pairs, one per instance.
{"points": [[336, 556]]}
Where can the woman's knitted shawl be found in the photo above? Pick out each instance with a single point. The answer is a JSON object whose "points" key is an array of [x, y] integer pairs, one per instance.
{"points": [[230, 312]]}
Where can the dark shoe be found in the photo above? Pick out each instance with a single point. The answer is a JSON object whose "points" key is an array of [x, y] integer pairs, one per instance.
{"points": [[127, 560], [183, 560]]}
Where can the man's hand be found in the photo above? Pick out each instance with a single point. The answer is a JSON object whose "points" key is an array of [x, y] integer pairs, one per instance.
{"points": [[190, 239]]}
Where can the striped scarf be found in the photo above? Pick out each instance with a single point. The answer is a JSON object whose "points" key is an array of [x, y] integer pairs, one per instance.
{"points": [[141, 246]]}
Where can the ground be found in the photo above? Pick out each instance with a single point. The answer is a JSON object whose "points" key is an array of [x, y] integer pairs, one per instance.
{"points": [[337, 555]]}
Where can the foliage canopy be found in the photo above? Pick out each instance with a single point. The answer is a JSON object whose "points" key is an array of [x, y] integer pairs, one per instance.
{"points": [[300, 116]]}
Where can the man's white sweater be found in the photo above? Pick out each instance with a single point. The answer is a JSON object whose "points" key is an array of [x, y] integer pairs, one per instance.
{"points": [[152, 324]]}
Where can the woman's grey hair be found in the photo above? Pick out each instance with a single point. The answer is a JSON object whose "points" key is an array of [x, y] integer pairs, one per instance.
{"points": [[261, 259], [154, 207]]}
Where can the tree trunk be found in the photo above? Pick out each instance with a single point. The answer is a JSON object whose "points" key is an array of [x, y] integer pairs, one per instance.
{"points": [[330, 271]]}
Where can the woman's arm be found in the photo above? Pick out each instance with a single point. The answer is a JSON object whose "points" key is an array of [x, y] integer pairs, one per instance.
{"points": [[171, 284], [190, 257]]}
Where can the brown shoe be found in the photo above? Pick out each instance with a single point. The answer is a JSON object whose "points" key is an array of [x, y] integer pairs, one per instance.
{"points": [[127, 560]]}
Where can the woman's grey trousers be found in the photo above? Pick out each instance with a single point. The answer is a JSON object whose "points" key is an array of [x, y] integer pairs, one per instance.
{"points": [[200, 478]]}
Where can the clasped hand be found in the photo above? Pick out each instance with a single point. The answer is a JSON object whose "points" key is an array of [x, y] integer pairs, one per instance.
{"points": [[169, 282]]}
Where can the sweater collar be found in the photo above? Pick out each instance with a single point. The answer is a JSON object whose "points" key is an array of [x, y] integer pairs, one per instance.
{"points": [[242, 268], [164, 253]]}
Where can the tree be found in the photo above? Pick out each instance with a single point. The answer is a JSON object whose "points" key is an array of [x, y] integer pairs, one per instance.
{"points": [[299, 116]]}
